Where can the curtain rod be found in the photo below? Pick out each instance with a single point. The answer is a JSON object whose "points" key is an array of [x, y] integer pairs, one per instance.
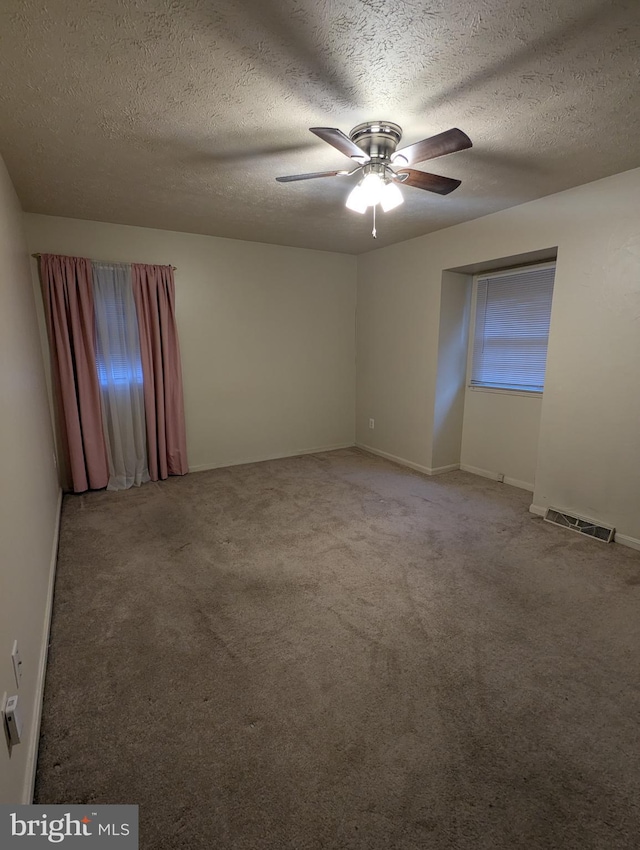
{"points": [[37, 257]]}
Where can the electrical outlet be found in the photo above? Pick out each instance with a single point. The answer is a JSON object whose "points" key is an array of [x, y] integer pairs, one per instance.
{"points": [[372, 424], [17, 663], [500, 477]]}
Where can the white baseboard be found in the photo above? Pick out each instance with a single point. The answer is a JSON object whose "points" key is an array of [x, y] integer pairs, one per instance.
{"points": [[622, 539], [487, 473], [427, 470], [202, 467], [34, 739], [625, 540], [438, 470]]}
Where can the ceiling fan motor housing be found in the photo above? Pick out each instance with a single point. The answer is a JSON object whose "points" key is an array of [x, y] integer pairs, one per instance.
{"points": [[377, 139]]}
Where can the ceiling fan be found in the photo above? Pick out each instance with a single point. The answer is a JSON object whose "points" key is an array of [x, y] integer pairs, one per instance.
{"points": [[373, 146]]}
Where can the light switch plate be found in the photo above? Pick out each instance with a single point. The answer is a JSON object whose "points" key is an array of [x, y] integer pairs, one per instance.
{"points": [[17, 662]]}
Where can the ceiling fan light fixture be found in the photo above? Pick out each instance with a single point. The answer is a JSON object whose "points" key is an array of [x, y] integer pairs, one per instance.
{"points": [[356, 200], [391, 197], [372, 188]]}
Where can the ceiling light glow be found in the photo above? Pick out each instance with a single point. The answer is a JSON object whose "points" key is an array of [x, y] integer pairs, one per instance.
{"points": [[391, 197], [356, 200], [373, 190]]}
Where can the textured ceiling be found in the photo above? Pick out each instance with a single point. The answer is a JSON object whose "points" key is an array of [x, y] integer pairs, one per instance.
{"points": [[179, 114]]}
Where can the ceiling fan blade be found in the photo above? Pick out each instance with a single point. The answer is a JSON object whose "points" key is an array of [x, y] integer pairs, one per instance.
{"points": [[430, 182], [340, 141], [448, 142], [292, 177]]}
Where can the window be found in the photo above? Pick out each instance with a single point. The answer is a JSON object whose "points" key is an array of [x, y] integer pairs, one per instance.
{"points": [[513, 310], [119, 366], [118, 360]]}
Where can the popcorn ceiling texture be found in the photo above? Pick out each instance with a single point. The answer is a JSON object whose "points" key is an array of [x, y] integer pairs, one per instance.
{"points": [[179, 114]]}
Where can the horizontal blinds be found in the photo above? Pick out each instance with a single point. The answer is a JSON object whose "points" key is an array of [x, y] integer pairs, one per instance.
{"points": [[114, 360], [118, 358], [513, 312]]}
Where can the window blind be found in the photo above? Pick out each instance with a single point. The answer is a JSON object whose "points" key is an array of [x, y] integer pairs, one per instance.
{"points": [[118, 359], [513, 312], [113, 361]]}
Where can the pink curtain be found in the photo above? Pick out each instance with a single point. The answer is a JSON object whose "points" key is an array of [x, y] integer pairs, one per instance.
{"points": [[154, 293], [68, 302]]}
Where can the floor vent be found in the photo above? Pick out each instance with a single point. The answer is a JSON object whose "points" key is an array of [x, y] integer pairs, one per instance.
{"points": [[580, 524]]}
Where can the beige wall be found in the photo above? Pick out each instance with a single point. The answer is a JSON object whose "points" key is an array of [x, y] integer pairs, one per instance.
{"points": [[500, 435], [590, 415], [397, 352], [266, 334], [29, 495], [453, 343]]}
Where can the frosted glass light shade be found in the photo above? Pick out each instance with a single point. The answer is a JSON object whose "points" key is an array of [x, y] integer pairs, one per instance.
{"points": [[356, 200], [372, 188], [391, 197]]}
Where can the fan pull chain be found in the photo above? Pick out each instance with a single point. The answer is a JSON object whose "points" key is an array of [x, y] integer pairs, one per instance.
{"points": [[374, 232]]}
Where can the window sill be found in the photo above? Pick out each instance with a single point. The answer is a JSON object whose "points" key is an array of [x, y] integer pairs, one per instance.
{"points": [[498, 391]]}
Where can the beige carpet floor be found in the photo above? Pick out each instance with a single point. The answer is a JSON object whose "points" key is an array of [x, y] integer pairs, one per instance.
{"points": [[331, 651]]}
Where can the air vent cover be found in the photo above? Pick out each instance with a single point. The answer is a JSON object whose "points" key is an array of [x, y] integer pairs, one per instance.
{"points": [[580, 524]]}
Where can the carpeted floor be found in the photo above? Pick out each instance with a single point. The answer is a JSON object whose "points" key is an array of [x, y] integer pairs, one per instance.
{"points": [[331, 651]]}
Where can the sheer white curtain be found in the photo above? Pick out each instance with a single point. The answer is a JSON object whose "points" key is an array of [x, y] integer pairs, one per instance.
{"points": [[120, 375]]}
